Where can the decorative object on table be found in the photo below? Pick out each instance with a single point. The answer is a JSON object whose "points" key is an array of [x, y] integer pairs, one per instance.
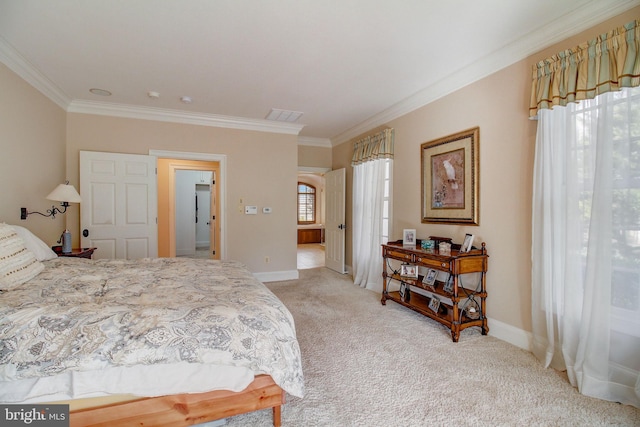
{"points": [[409, 237], [437, 240], [427, 244], [405, 293], [64, 193], [467, 244], [434, 304], [450, 178], [409, 270], [430, 278], [471, 308], [65, 241], [444, 248], [448, 285]]}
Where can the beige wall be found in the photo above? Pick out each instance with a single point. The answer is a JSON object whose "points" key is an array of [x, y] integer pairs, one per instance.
{"points": [[498, 104], [314, 157], [32, 164], [259, 166]]}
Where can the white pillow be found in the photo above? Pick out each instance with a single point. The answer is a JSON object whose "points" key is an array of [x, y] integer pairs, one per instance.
{"points": [[40, 249], [17, 263]]}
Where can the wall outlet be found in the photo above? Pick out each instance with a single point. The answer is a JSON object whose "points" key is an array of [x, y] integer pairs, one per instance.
{"points": [[267, 260]]}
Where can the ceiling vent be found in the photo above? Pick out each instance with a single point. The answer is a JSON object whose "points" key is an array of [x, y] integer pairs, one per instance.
{"points": [[284, 115]]}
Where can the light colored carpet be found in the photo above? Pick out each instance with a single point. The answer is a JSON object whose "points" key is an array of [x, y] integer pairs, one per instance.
{"points": [[366, 364]]}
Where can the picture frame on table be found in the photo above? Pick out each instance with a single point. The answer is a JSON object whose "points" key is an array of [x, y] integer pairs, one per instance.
{"points": [[450, 172], [409, 270], [467, 244], [448, 285], [430, 278], [434, 304], [405, 293], [409, 237]]}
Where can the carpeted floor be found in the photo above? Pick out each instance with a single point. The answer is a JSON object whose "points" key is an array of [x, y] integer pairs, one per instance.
{"points": [[366, 364]]}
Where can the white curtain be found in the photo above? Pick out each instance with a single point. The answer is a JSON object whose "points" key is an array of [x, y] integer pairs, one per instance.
{"points": [[368, 198], [586, 244]]}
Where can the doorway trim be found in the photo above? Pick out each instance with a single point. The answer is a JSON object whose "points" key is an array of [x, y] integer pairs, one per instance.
{"points": [[222, 160]]}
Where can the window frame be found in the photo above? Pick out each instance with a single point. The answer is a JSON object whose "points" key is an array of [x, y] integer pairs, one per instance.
{"points": [[314, 204]]}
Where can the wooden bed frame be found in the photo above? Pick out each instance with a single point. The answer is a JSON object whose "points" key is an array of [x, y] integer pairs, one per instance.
{"points": [[185, 409]]}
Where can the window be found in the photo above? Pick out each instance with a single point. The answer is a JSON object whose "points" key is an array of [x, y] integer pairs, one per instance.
{"points": [[306, 203], [624, 155]]}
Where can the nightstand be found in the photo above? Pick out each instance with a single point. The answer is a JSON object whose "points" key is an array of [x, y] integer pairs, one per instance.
{"points": [[75, 253]]}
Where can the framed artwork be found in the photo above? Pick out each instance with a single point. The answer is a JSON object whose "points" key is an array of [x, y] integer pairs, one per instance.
{"points": [[409, 237], [467, 244], [450, 178]]}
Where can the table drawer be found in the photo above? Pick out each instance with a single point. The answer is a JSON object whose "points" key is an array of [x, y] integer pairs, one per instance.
{"points": [[433, 263]]}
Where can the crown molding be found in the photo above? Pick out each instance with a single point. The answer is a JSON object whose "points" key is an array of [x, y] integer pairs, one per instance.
{"points": [[314, 142], [175, 116], [560, 29], [28, 72]]}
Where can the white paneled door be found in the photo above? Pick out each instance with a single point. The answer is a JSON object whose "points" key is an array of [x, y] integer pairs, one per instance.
{"points": [[335, 220], [119, 205]]}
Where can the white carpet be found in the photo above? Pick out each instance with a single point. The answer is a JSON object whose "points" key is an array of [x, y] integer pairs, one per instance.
{"points": [[366, 364]]}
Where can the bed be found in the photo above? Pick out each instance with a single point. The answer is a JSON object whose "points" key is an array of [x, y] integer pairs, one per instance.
{"points": [[184, 341]]}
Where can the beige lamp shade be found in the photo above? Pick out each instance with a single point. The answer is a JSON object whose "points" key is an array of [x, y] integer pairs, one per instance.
{"points": [[65, 193]]}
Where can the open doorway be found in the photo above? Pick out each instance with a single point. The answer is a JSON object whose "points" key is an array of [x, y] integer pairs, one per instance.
{"points": [[193, 219], [179, 182], [311, 214]]}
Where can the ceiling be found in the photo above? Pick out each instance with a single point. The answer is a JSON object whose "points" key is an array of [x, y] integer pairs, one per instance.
{"points": [[347, 65]]}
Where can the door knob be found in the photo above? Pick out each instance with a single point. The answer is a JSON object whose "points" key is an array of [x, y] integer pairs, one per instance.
{"points": [[85, 232]]}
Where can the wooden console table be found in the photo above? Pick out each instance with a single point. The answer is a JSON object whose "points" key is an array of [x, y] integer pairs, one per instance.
{"points": [[455, 306]]}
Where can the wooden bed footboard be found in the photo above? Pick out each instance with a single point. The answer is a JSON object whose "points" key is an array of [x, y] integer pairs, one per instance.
{"points": [[185, 409]]}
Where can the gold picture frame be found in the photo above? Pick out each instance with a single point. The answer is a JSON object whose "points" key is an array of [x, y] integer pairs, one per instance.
{"points": [[450, 172]]}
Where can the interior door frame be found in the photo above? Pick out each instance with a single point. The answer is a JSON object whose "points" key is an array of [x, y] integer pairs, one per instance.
{"points": [[221, 182]]}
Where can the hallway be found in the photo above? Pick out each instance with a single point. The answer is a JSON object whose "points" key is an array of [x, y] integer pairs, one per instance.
{"points": [[310, 255]]}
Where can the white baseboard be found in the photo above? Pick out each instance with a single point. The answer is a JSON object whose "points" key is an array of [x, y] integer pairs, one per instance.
{"points": [[277, 276], [511, 334]]}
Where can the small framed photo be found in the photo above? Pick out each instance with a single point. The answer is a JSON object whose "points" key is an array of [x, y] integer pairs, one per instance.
{"points": [[467, 244], [404, 291], [434, 304], [430, 278], [408, 270], [409, 237], [448, 286]]}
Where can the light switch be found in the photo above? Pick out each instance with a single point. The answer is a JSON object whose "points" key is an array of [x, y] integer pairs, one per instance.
{"points": [[266, 210], [251, 210]]}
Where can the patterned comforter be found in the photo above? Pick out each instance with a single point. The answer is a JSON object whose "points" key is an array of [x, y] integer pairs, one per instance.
{"points": [[86, 315]]}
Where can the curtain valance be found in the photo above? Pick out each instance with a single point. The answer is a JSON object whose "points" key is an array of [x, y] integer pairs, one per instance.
{"points": [[373, 147], [604, 64]]}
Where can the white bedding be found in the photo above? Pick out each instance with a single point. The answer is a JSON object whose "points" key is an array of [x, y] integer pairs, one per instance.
{"points": [[150, 327]]}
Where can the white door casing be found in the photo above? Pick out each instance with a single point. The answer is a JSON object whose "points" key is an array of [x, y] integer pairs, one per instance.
{"points": [[119, 205], [335, 220]]}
